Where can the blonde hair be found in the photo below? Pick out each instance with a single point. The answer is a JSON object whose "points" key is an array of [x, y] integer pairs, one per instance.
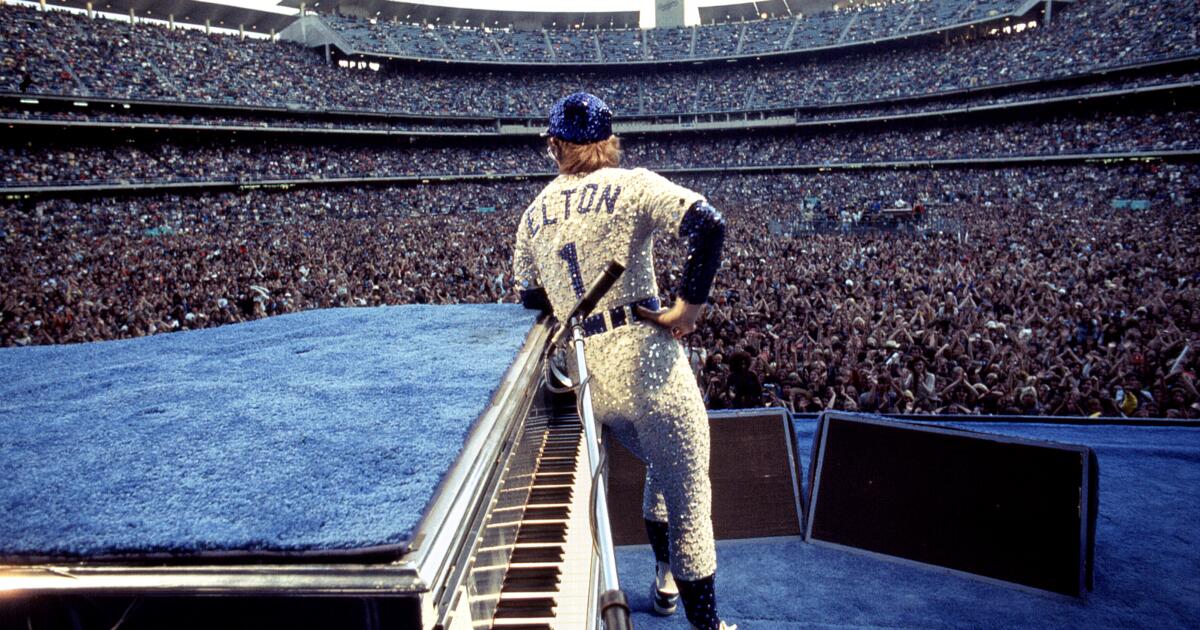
{"points": [[574, 159]]}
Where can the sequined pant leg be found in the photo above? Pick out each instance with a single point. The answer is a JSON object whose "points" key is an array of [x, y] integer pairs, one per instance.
{"points": [[654, 504], [645, 391], [676, 448]]}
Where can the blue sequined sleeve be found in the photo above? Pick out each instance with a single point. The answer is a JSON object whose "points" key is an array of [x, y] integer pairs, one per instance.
{"points": [[704, 229]]}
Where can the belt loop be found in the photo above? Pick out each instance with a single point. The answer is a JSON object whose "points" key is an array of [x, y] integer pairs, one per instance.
{"points": [[618, 316], [594, 325]]}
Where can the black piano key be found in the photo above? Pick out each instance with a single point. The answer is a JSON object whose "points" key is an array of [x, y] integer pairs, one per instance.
{"points": [[537, 554], [550, 495], [532, 607], [554, 479], [542, 533], [545, 475], [557, 467], [561, 452], [546, 513], [531, 580]]}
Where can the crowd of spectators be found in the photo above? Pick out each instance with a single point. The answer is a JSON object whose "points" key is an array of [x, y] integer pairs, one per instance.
{"points": [[39, 163], [1050, 300], [842, 25], [118, 267], [1019, 96], [1095, 133], [225, 160], [252, 120], [61, 53]]}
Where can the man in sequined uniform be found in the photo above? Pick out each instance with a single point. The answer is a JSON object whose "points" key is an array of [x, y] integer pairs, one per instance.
{"points": [[642, 385]]}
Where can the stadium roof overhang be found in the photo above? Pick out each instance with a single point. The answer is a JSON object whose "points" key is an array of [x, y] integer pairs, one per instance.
{"points": [[283, 12], [417, 12], [475, 13], [193, 12]]}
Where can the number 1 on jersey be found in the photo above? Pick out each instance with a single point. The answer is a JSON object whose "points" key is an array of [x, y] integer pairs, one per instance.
{"points": [[571, 257]]}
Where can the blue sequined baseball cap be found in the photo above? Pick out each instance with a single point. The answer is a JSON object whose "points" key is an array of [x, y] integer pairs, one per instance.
{"points": [[581, 118]]}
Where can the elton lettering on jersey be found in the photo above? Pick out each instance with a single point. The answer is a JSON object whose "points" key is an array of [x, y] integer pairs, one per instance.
{"points": [[580, 201]]}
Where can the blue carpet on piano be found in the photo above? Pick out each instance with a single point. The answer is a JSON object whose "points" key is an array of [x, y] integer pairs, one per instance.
{"points": [[1147, 564], [320, 431]]}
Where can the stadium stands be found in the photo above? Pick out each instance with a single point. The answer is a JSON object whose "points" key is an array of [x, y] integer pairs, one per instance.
{"points": [[621, 45], [108, 58], [248, 161], [863, 23], [989, 323], [1097, 92]]}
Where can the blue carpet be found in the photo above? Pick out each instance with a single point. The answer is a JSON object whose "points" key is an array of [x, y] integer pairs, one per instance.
{"points": [[1147, 566], [318, 431]]}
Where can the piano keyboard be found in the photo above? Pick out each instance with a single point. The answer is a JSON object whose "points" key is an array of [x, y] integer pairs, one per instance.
{"points": [[548, 584]]}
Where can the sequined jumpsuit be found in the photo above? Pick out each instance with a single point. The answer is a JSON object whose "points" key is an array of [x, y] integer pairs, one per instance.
{"points": [[643, 388]]}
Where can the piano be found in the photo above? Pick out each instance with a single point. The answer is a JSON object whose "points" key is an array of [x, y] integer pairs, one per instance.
{"points": [[504, 543], [538, 543]]}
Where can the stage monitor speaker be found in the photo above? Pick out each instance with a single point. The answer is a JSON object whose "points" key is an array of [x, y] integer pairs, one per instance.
{"points": [[755, 479], [1010, 509]]}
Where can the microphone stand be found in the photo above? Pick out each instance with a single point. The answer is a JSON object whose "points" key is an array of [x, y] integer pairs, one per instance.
{"points": [[614, 610]]}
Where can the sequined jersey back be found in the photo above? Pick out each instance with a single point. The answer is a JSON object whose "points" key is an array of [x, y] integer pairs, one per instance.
{"points": [[580, 222]]}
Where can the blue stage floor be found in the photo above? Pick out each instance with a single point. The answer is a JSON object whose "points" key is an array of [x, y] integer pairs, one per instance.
{"points": [[1147, 560], [321, 431]]}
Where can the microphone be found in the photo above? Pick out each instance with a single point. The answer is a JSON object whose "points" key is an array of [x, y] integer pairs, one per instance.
{"points": [[612, 272], [607, 278]]}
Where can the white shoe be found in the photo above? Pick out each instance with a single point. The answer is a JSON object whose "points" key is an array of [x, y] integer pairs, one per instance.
{"points": [[664, 592]]}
